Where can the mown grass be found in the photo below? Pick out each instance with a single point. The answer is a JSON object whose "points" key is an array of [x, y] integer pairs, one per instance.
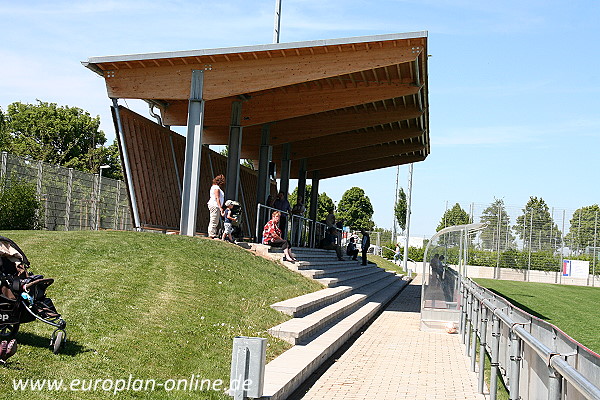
{"points": [[385, 263], [573, 309], [147, 305]]}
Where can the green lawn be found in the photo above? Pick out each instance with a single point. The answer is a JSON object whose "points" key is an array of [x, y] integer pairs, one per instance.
{"points": [[573, 309], [148, 305]]}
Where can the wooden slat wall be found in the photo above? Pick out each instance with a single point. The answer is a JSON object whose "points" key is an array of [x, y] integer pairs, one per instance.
{"points": [[155, 179]]}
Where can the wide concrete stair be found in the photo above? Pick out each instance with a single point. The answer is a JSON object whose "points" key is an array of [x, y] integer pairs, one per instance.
{"points": [[324, 320]]}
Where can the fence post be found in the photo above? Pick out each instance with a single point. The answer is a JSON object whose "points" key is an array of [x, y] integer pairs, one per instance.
{"points": [[495, 357], [68, 205], [117, 200], [482, 344], [515, 360], [3, 165], [554, 384]]}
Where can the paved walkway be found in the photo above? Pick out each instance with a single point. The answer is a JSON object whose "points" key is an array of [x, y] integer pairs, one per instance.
{"points": [[393, 359]]}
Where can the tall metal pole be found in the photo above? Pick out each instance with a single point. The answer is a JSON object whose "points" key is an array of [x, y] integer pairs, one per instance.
{"points": [[530, 237], [594, 252], [562, 248], [395, 205], [408, 206], [277, 21]]}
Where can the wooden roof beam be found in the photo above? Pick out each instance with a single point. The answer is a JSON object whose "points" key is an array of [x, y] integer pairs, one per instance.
{"points": [[234, 77], [278, 105]]}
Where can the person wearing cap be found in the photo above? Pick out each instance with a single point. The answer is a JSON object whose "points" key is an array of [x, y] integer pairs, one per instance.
{"points": [[228, 219]]}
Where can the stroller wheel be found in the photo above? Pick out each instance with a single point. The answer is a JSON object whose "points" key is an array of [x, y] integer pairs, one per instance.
{"points": [[57, 340], [8, 331]]}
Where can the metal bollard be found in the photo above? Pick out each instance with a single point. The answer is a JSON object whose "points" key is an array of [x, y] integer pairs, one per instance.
{"points": [[247, 367]]}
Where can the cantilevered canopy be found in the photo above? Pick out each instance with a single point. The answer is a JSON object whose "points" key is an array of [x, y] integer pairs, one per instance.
{"points": [[344, 105]]}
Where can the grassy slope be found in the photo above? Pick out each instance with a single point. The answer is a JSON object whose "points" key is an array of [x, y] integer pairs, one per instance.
{"points": [[154, 306], [573, 309]]}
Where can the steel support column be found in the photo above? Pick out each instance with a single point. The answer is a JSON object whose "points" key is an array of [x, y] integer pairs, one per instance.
{"points": [[284, 185], [302, 180], [263, 187], [314, 206], [126, 166], [233, 153], [193, 153]]}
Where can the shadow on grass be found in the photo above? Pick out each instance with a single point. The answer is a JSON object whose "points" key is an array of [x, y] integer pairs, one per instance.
{"points": [[71, 347], [521, 306]]}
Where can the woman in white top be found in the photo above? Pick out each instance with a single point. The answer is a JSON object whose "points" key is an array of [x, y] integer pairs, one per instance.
{"points": [[215, 205]]}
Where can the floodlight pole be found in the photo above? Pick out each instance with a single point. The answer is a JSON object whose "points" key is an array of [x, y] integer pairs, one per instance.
{"points": [[394, 239], [277, 21], [408, 206]]}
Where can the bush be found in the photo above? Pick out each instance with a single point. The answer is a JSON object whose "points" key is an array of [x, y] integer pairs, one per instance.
{"points": [[19, 206]]}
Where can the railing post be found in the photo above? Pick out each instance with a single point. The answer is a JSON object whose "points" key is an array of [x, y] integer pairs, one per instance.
{"points": [[554, 384], [495, 356], [515, 361], [482, 344], [463, 309], [258, 235], [469, 326], [475, 324]]}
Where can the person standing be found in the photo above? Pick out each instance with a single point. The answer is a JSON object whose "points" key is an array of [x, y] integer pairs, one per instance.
{"points": [[215, 205], [397, 253], [282, 204], [366, 243]]}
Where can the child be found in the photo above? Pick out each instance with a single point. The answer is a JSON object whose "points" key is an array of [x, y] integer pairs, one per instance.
{"points": [[227, 221]]}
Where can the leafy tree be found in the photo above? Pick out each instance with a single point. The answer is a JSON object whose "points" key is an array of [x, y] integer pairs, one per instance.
{"points": [[498, 230], [400, 209], [581, 232], [19, 206], [536, 228], [324, 204], [67, 136], [454, 216], [355, 209]]}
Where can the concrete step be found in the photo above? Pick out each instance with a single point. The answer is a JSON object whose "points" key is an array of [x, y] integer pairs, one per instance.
{"points": [[327, 271], [285, 373], [302, 305], [338, 279], [324, 264], [300, 330]]}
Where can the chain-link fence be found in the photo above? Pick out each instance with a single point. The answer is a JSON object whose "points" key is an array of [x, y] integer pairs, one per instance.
{"points": [[70, 199], [533, 237]]}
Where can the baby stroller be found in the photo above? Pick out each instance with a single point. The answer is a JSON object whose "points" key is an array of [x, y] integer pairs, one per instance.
{"points": [[236, 212], [23, 296]]}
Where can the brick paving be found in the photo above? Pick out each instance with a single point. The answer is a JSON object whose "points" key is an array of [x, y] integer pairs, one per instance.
{"points": [[394, 359]]}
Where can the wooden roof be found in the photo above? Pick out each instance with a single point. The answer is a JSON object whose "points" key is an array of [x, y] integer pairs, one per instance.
{"points": [[346, 105]]}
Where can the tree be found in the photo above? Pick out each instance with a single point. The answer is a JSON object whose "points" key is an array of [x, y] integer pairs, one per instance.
{"points": [[454, 216], [19, 206], [324, 202], [536, 228], [244, 162], [66, 135], [355, 209], [583, 228], [400, 209], [497, 231]]}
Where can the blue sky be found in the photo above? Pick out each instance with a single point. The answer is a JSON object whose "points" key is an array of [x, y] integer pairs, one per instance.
{"points": [[514, 86]]}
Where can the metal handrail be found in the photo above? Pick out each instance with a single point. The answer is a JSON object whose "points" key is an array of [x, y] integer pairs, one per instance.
{"points": [[479, 301]]}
